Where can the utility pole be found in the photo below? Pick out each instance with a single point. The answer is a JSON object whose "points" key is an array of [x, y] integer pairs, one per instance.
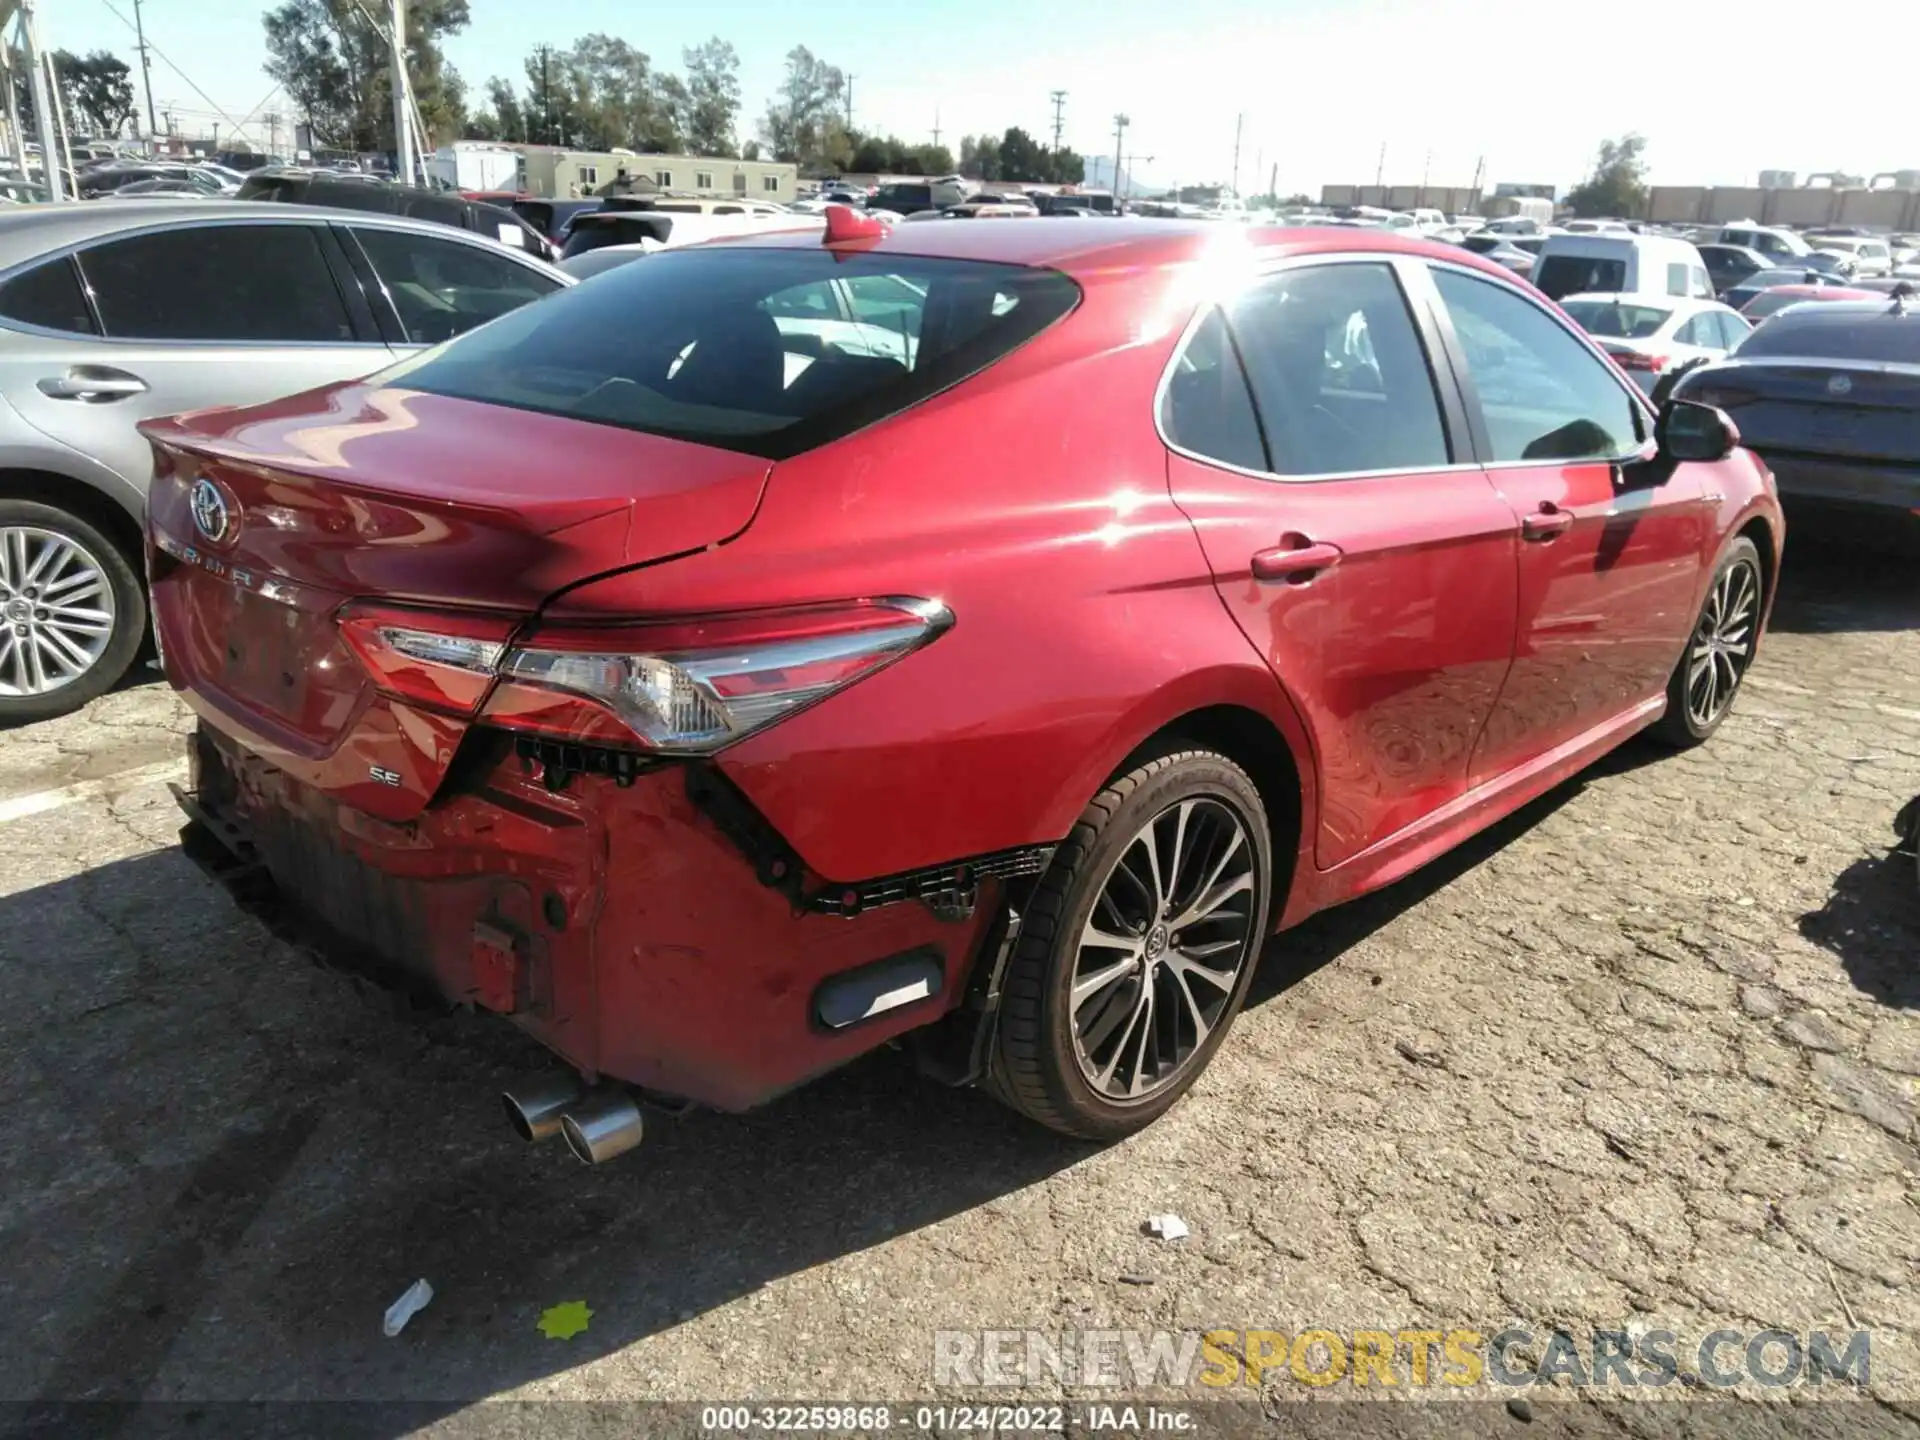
{"points": [[1059, 98], [273, 132], [1120, 123], [850, 103], [546, 96], [1238, 122], [146, 67], [44, 122], [1479, 176], [1426, 173], [936, 125], [402, 126], [1380, 171]]}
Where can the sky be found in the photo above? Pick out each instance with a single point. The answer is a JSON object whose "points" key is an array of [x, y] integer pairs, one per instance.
{"points": [[1315, 88]]}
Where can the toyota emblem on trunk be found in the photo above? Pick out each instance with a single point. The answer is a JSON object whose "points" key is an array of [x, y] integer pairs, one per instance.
{"points": [[209, 510], [1840, 385]]}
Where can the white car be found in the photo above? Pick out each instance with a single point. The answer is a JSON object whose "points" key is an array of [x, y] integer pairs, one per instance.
{"points": [[1870, 255], [1653, 335]]}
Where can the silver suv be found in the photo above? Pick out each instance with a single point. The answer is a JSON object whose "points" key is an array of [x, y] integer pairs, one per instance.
{"points": [[112, 314]]}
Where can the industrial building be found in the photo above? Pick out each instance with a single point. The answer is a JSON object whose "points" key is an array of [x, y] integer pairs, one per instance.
{"points": [[551, 170], [1894, 207]]}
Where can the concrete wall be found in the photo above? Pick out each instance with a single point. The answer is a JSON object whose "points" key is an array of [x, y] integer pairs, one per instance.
{"points": [[1452, 199], [1677, 204], [1798, 207], [1877, 209]]}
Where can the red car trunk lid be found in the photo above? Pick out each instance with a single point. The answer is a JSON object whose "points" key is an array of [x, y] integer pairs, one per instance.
{"points": [[267, 520]]}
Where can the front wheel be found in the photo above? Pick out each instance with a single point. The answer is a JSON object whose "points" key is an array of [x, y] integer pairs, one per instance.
{"points": [[1701, 690], [72, 613], [1136, 949]]}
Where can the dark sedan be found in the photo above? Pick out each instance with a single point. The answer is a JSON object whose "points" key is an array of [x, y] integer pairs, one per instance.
{"points": [[1729, 265], [1501, 250], [1829, 396], [1771, 279]]}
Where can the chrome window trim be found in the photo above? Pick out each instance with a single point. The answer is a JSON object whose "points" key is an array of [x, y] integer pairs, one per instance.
{"points": [[303, 215], [1643, 407], [1260, 271]]}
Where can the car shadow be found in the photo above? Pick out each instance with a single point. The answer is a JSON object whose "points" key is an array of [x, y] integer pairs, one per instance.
{"points": [[1842, 573], [1871, 923], [231, 1166]]}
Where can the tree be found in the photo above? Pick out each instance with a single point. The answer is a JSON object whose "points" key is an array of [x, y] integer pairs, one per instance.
{"points": [[1618, 184], [1065, 167], [1021, 156], [802, 124], [980, 157], [97, 89], [503, 119], [933, 160], [333, 60], [713, 97]]}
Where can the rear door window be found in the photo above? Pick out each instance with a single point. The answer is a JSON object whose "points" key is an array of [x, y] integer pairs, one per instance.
{"points": [[48, 296], [1543, 395], [1677, 279], [236, 283], [443, 288], [1206, 408], [768, 351], [1339, 376], [1558, 276]]}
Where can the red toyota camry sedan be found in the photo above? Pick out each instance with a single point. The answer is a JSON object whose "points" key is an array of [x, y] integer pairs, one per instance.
{"points": [[980, 636]]}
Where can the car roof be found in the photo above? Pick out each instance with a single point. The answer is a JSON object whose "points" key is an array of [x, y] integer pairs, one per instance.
{"points": [[1874, 305], [1070, 245], [30, 230], [1648, 301]]}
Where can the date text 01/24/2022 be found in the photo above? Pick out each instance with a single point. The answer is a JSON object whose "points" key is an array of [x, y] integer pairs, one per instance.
{"points": [[939, 1419]]}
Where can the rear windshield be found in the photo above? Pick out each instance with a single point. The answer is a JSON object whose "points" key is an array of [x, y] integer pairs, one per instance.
{"points": [[1825, 334], [1768, 301], [766, 351], [604, 228], [1617, 320], [1562, 275]]}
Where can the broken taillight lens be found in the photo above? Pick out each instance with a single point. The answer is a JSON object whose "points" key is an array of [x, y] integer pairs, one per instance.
{"points": [[685, 687], [691, 687], [441, 660]]}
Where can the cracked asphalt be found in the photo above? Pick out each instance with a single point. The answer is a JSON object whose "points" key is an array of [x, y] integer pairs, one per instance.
{"points": [[1647, 1055]]}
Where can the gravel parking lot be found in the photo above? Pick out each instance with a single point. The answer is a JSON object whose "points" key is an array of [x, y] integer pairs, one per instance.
{"points": [[1649, 1052]]}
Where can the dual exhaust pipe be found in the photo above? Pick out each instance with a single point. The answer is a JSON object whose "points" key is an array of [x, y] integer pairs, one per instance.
{"points": [[598, 1125]]}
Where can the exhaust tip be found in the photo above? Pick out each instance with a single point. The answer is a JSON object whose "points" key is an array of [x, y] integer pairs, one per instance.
{"points": [[534, 1109], [602, 1127]]}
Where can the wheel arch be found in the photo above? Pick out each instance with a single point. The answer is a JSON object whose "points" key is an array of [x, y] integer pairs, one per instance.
{"points": [[1759, 530], [88, 501], [1253, 742]]}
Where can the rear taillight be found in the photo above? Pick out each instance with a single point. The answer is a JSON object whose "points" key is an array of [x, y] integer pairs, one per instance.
{"points": [[439, 660], [1637, 360], [693, 686], [685, 687]]}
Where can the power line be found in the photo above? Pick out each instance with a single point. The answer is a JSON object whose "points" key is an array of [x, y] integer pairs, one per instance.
{"points": [[168, 62]]}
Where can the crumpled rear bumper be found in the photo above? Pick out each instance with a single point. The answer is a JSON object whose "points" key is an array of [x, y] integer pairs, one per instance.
{"points": [[612, 920]]}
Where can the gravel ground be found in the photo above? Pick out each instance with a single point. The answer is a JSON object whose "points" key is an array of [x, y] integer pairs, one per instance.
{"points": [[1648, 1053]]}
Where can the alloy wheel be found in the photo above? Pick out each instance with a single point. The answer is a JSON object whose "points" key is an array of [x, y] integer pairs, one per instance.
{"points": [[1723, 643], [1163, 950], [56, 610]]}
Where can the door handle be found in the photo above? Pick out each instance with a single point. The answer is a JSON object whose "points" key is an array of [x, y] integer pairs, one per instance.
{"points": [[1296, 563], [92, 382], [1550, 522]]}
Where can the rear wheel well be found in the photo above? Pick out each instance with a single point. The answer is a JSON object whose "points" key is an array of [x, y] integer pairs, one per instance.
{"points": [[1252, 742], [77, 497], [1761, 533]]}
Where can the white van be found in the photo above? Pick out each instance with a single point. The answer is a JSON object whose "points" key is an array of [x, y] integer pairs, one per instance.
{"points": [[1771, 241], [1621, 265]]}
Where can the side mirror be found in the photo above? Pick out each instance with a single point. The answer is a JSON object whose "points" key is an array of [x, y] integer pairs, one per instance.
{"points": [[1687, 431]]}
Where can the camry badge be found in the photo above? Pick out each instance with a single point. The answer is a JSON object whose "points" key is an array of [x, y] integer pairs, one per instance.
{"points": [[209, 510]]}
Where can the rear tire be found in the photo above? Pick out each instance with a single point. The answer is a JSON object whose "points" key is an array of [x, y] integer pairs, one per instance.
{"points": [[73, 612], [1172, 864], [1720, 646]]}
